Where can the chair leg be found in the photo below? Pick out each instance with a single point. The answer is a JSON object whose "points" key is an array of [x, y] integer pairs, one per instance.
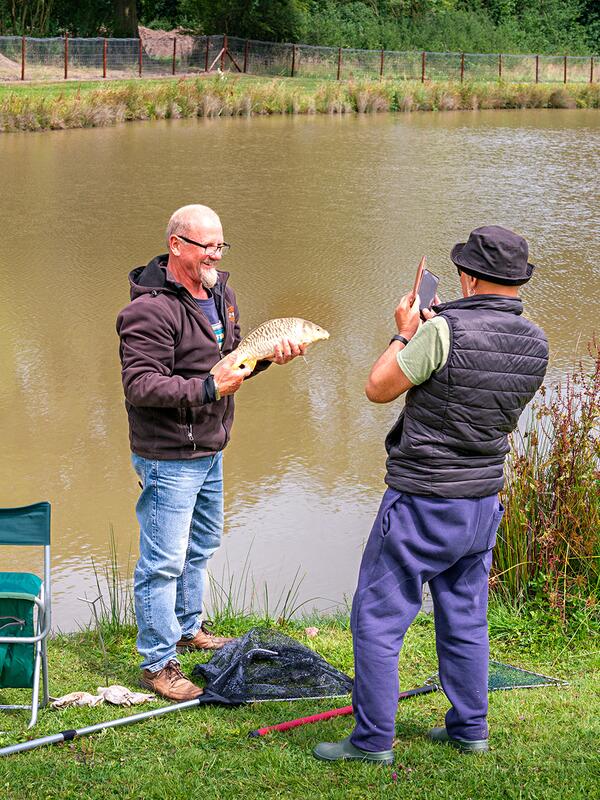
{"points": [[35, 692], [45, 693]]}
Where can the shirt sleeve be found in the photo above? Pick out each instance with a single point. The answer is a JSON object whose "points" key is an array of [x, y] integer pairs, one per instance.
{"points": [[426, 352]]}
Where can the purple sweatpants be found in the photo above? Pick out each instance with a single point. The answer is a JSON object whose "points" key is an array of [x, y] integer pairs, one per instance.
{"points": [[448, 543]]}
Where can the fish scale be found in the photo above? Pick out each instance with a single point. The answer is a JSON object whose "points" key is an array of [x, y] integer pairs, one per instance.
{"points": [[261, 342]]}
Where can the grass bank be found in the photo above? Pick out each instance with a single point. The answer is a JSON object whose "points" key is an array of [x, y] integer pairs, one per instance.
{"points": [[93, 104], [544, 740]]}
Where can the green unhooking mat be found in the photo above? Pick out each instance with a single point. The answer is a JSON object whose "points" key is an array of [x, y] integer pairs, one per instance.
{"points": [[16, 619]]}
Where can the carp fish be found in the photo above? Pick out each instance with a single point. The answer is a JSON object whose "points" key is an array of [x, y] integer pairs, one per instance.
{"points": [[260, 343]]}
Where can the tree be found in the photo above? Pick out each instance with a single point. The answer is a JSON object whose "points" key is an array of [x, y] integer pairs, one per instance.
{"points": [[125, 21]]}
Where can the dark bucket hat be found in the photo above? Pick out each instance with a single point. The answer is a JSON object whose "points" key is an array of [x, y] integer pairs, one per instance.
{"points": [[494, 254]]}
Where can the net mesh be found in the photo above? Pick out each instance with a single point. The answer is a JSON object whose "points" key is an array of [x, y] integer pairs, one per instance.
{"points": [[505, 676], [267, 665]]}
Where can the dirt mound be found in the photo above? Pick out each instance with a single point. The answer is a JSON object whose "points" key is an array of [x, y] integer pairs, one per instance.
{"points": [[159, 44], [10, 67]]}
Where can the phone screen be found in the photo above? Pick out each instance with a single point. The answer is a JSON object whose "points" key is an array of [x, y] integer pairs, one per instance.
{"points": [[427, 289]]}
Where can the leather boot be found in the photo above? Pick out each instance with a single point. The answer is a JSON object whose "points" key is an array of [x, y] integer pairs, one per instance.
{"points": [[170, 682], [203, 640]]}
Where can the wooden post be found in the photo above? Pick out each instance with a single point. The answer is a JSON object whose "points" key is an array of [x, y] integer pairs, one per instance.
{"points": [[23, 46], [223, 51], [246, 56], [423, 63], [565, 71], [104, 52], [462, 67], [140, 57], [206, 55], [293, 72], [500, 66], [592, 69], [381, 64], [174, 53], [537, 69], [339, 68], [66, 54]]}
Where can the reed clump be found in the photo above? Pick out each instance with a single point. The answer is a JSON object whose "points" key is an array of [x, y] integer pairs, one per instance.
{"points": [[548, 544], [228, 95]]}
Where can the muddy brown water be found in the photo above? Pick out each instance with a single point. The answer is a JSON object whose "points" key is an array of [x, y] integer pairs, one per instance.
{"points": [[328, 217]]}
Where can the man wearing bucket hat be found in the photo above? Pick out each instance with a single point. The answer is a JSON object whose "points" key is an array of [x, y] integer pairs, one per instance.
{"points": [[469, 370]]}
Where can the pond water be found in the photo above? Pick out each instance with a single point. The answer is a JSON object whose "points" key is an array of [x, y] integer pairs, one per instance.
{"points": [[328, 218]]}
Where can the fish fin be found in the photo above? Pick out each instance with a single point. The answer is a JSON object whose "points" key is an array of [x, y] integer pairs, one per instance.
{"points": [[250, 363]]}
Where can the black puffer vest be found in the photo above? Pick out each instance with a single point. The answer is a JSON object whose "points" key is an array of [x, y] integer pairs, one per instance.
{"points": [[452, 436]]}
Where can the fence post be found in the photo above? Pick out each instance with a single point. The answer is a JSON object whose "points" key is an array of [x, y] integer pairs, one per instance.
{"points": [[565, 71], [66, 54], [339, 68], [140, 57], [462, 67], [104, 51], [499, 66], [537, 69], [592, 69], [293, 60], [206, 57], [224, 49], [423, 63], [23, 59], [381, 64], [174, 53], [246, 55]]}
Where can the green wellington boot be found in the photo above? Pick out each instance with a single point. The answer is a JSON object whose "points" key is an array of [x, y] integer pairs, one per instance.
{"points": [[464, 745], [346, 751]]}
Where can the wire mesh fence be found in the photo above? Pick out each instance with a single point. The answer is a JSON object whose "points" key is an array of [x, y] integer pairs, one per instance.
{"points": [[157, 53]]}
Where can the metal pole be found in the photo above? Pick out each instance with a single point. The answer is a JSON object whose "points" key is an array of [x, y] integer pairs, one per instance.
{"points": [[223, 51], [423, 62], [23, 58], [66, 54], [246, 56], [68, 735], [462, 67], [140, 57], [293, 60], [104, 51], [500, 66], [565, 71], [206, 58], [381, 64], [339, 67], [592, 69], [537, 69], [174, 52]]}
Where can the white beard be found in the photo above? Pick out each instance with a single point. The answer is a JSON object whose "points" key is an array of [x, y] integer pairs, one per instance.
{"points": [[209, 277]]}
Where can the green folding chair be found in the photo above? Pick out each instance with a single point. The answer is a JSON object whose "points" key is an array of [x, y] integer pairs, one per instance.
{"points": [[25, 607]]}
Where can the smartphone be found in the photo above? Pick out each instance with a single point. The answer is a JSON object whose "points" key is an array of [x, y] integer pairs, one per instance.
{"points": [[425, 285]]}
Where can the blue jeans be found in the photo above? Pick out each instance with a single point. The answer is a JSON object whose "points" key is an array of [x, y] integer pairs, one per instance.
{"points": [[180, 512]]}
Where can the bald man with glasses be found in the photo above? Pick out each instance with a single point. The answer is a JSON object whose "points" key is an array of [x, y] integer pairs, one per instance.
{"points": [[182, 320]]}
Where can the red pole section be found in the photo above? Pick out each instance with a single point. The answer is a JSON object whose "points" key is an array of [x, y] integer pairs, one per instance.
{"points": [[381, 64], [462, 67], [423, 63], [293, 60], [174, 53], [246, 56], [140, 57], [23, 47], [104, 51], [223, 51], [500, 66], [592, 69], [66, 54], [537, 69], [565, 71], [339, 68]]}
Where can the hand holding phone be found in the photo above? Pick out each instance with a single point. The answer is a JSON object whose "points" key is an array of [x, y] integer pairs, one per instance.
{"points": [[425, 285]]}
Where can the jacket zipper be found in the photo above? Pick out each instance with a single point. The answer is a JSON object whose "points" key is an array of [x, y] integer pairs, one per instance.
{"points": [[190, 429]]}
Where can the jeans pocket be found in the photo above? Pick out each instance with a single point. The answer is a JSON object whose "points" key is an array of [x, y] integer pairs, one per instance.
{"points": [[494, 525]]}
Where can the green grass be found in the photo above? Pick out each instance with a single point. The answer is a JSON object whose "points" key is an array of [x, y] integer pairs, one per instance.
{"points": [[544, 741], [96, 104]]}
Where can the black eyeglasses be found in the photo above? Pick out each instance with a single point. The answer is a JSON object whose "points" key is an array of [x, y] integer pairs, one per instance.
{"points": [[209, 249]]}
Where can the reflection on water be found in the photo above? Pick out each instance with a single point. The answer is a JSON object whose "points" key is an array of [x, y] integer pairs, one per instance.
{"points": [[328, 219]]}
